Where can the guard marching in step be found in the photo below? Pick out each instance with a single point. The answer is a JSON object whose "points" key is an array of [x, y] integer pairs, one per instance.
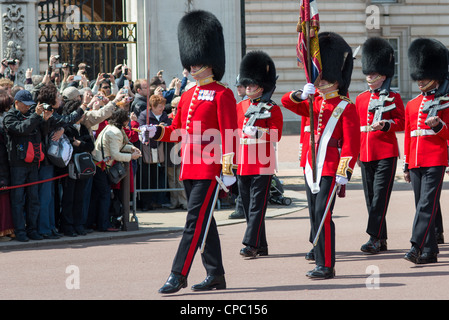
{"points": [[337, 139], [425, 143], [381, 112], [260, 122], [206, 122]]}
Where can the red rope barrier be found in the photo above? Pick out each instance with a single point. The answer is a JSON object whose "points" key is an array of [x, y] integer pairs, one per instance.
{"points": [[33, 183]]}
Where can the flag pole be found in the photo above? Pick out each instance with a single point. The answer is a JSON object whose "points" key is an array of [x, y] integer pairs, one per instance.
{"points": [[148, 73], [311, 98]]}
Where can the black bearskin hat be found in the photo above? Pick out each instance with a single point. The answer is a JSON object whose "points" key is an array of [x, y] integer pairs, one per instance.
{"points": [[428, 59], [378, 57], [258, 68], [201, 42], [337, 60]]}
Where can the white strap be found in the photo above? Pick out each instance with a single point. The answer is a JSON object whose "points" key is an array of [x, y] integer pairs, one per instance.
{"points": [[322, 149]]}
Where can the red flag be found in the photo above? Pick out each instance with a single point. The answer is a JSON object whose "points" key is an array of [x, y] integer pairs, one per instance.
{"points": [[308, 13]]}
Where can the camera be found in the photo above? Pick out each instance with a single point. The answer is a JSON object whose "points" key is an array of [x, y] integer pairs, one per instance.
{"points": [[47, 107], [63, 65], [11, 62]]}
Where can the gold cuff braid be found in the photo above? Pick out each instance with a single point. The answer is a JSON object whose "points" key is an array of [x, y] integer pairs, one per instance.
{"points": [[228, 164], [343, 167]]}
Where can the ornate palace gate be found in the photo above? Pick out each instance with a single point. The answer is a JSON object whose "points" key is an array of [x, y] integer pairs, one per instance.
{"points": [[94, 32]]}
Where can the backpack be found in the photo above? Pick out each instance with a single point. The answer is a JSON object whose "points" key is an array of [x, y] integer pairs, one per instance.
{"points": [[82, 167], [60, 152]]}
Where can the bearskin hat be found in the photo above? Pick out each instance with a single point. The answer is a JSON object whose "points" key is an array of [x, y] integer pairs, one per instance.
{"points": [[201, 42], [428, 59], [336, 59], [378, 57], [258, 68]]}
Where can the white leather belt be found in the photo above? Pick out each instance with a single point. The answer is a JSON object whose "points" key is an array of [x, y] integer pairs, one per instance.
{"points": [[366, 129], [247, 141], [422, 132]]}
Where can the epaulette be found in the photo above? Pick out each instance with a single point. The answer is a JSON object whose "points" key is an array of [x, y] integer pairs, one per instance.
{"points": [[222, 84], [346, 99]]}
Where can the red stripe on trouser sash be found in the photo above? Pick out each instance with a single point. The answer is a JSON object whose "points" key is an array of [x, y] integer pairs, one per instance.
{"points": [[392, 175], [434, 210], [262, 216], [328, 231], [198, 228]]}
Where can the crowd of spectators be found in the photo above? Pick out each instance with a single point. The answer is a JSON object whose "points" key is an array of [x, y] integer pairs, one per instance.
{"points": [[101, 116]]}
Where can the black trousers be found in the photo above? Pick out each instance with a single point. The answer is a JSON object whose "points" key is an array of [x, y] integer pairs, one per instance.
{"points": [[72, 204], [325, 248], [427, 183], [254, 192], [200, 196], [378, 179], [439, 221]]}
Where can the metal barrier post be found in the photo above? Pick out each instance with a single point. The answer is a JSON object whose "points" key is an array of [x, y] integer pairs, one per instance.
{"points": [[128, 225]]}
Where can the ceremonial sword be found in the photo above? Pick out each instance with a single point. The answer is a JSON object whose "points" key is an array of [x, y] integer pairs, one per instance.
{"points": [[221, 186], [329, 203]]}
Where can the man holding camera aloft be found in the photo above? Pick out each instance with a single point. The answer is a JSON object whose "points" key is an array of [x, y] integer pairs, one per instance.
{"points": [[24, 131]]}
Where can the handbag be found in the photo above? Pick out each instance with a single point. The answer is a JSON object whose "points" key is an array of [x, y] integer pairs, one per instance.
{"points": [[60, 152], [117, 171], [153, 155]]}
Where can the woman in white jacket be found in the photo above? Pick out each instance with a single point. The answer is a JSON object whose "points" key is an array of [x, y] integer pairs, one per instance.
{"points": [[111, 145]]}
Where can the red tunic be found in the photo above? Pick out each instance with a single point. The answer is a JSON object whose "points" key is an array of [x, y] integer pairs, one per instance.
{"points": [[258, 156], [206, 125], [304, 141], [422, 148], [346, 132], [377, 145]]}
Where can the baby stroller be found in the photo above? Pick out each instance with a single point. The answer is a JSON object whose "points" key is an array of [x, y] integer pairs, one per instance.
{"points": [[277, 193]]}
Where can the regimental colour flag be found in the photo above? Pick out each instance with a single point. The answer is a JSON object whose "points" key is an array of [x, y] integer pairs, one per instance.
{"points": [[308, 13]]}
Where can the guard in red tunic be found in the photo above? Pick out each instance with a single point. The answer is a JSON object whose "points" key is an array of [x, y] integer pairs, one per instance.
{"points": [[381, 113], [206, 122], [260, 122], [425, 143], [337, 138]]}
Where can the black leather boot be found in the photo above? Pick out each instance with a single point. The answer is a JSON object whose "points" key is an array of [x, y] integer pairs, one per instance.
{"points": [[175, 282], [372, 246], [211, 282], [321, 272], [248, 252], [413, 255]]}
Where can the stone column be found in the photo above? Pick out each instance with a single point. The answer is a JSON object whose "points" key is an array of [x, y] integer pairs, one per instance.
{"points": [[19, 35], [164, 16]]}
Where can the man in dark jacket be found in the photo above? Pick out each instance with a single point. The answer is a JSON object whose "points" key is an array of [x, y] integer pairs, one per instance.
{"points": [[140, 98], [48, 217], [25, 155]]}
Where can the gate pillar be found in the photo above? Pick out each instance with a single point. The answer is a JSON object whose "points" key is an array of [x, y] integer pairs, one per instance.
{"points": [[18, 35]]}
